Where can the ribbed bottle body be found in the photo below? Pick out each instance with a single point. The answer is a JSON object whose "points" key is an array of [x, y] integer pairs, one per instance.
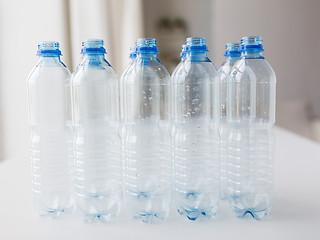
{"points": [[224, 72], [250, 120], [122, 127], [97, 141], [147, 146], [51, 137], [196, 141]]}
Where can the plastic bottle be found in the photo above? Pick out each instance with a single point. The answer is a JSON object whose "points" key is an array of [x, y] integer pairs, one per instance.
{"points": [[132, 57], [196, 141], [250, 122], [232, 54], [97, 142], [147, 122], [51, 132]]}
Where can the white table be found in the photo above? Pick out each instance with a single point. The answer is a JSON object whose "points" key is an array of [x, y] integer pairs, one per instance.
{"points": [[295, 215]]}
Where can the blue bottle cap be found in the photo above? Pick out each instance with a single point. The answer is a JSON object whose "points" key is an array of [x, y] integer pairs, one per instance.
{"points": [[147, 45], [93, 46], [252, 43], [49, 48], [232, 50], [196, 44]]}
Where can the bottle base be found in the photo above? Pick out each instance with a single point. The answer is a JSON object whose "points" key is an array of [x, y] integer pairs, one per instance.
{"points": [[55, 213], [255, 205], [99, 207], [103, 216], [256, 214], [194, 214], [151, 217], [196, 205], [99, 217], [149, 207]]}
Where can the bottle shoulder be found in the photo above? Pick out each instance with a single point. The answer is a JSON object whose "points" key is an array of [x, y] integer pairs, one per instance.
{"points": [[42, 73], [50, 62], [177, 70], [93, 72], [192, 71], [247, 70], [146, 71], [225, 70], [126, 71]]}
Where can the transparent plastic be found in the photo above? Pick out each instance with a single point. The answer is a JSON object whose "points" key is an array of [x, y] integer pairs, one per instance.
{"points": [[232, 54], [132, 57], [250, 122], [51, 133], [183, 55], [97, 142], [196, 141], [147, 122]]}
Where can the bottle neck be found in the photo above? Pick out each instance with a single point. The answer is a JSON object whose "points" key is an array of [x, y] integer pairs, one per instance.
{"points": [[197, 55], [232, 58], [252, 54], [93, 57], [49, 59], [147, 55]]}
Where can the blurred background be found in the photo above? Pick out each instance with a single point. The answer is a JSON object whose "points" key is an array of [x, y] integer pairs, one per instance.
{"points": [[290, 29]]}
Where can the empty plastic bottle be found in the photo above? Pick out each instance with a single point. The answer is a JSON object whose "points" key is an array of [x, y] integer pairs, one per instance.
{"points": [[51, 132], [132, 57], [250, 121], [147, 122], [232, 54], [196, 141], [97, 141]]}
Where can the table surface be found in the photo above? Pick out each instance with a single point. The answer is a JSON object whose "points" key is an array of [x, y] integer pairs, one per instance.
{"points": [[295, 215]]}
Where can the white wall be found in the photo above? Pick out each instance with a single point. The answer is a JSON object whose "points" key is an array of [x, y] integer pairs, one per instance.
{"points": [[22, 27], [197, 14], [291, 33]]}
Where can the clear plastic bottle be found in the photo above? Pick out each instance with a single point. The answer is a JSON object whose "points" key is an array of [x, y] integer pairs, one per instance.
{"points": [[232, 54], [250, 122], [51, 132], [147, 122], [196, 141], [132, 57], [96, 113]]}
